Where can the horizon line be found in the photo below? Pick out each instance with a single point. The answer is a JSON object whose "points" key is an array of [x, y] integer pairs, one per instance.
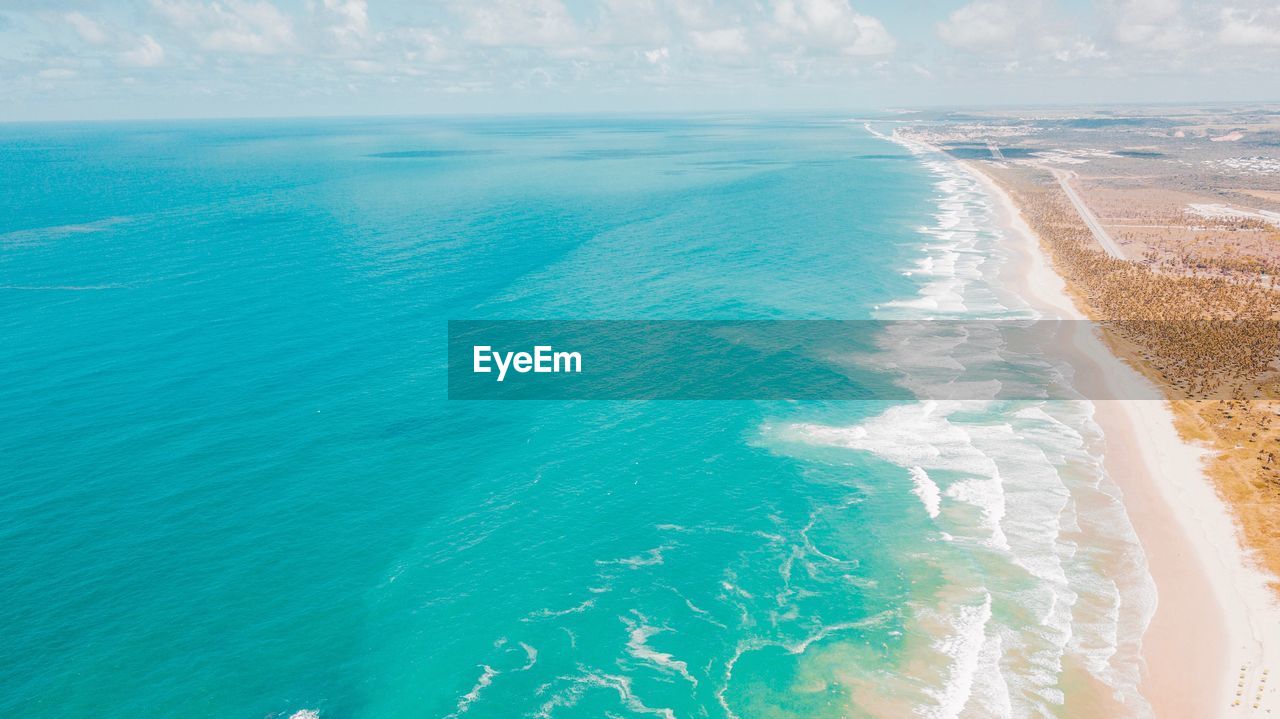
{"points": [[631, 113]]}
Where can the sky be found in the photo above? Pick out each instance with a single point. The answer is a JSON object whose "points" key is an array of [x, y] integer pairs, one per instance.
{"points": [[115, 59]]}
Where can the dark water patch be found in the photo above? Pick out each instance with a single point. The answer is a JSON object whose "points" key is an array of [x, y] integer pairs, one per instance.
{"points": [[1139, 154], [735, 164], [620, 154], [968, 152], [966, 117], [428, 154], [975, 151], [1265, 139], [1097, 123]]}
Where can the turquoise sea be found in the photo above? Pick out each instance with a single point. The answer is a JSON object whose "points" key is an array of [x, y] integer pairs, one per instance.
{"points": [[231, 484]]}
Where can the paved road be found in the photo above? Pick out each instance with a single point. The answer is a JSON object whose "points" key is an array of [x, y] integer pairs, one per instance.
{"points": [[1108, 244]]}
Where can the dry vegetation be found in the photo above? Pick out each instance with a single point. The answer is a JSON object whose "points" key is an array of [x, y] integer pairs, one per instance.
{"points": [[1155, 226], [1204, 326]]}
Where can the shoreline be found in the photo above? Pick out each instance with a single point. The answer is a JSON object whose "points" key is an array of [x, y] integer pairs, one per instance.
{"points": [[1216, 624]]}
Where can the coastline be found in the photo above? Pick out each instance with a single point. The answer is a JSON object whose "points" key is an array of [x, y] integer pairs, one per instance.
{"points": [[1216, 626]]}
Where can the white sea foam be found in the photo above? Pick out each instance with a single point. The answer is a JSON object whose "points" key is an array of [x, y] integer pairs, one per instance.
{"points": [[619, 685], [1032, 471], [531, 657], [964, 645], [550, 613], [45, 234], [1035, 499], [728, 676], [953, 264], [962, 251], [638, 634], [649, 558], [486, 678], [732, 588], [695, 608], [827, 630], [926, 489], [921, 435], [791, 647], [64, 288], [1011, 471], [812, 549], [990, 696]]}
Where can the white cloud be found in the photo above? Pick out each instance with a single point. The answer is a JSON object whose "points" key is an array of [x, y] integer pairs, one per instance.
{"points": [[1156, 25], [697, 14], [1018, 36], [148, 53], [417, 43], [237, 26], [981, 26], [56, 73], [723, 41], [831, 25], [1072, 49], [1259, 28], [598, 48], [347, 21], [88, 30], [519, 23], [367, 67], [632, 23]]}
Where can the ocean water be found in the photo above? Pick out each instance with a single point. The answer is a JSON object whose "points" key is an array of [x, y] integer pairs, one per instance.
{"points": [[231, 483]]}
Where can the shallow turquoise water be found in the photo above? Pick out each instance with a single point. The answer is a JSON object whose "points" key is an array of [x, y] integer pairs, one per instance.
{"points": [[232, 485]]}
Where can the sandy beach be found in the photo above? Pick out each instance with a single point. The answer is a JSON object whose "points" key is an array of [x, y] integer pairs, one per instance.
{"points": [[1214, 639]]}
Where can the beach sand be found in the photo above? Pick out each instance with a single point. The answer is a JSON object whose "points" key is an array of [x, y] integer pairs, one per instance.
{"points": [[1215, 636]]}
